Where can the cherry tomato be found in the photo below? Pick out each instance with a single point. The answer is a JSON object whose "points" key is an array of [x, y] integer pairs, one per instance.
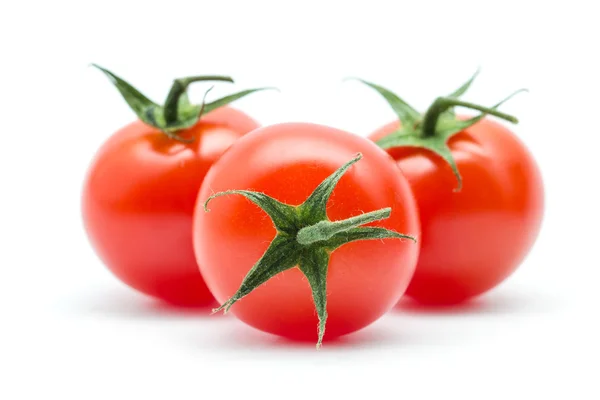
{"points": [[287, 162], [139, 197], [474, 238]]}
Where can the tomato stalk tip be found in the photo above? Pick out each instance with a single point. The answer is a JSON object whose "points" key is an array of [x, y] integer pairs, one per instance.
{"points": [[179, 88]]}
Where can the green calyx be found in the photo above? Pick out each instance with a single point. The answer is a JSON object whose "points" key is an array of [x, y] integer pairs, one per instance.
{"points": [[305, 239], [433, 129], [177, 113]]}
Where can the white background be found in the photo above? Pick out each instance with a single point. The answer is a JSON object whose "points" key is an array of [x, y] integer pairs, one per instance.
{"points": [[72, 331]]}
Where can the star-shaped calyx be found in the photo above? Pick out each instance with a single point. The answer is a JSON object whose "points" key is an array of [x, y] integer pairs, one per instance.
{"points": [[433, 130], [305, 239], [177, 113]]}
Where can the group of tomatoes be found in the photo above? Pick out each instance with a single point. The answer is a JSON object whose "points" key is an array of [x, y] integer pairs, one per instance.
{"points": [[303, 229]]}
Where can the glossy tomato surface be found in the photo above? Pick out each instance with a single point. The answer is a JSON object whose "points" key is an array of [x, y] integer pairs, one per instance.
{"points": [[473, 239], [288, 161], [139, 197]]}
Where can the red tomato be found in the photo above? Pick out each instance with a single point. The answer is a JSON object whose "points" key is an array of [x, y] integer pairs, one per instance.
{"points": [[474, 238], [287, 162], [139, 197]]}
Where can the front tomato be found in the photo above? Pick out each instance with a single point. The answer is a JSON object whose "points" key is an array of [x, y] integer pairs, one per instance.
{"points": [[140, 191], [287, 163]]}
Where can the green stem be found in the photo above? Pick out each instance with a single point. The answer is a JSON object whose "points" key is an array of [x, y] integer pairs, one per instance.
{"points": [[442, 104], [171, 108], [325, 230]]}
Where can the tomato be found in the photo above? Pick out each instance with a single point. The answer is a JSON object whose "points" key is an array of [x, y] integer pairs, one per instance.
{"points": [[287, 162], [475, 236], [139, 196]]}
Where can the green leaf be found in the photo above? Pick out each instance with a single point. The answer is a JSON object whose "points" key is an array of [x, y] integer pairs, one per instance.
{"points": [[231, 98], [401, 138], [314, 209], [185, 107], [364, 233], [325, 230], [459, 92], [314, 265], [463, 89], [143, 107], [451, 127], [436, 144], [406, 114], [281, 255], [443, 151], [283, 216]]}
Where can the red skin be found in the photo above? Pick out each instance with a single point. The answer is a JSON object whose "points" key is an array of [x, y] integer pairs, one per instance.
{"points": [[138, 202], [473, 239], [288, 161]]}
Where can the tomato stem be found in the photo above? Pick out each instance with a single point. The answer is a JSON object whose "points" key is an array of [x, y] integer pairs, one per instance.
{"points": [[438, 124], [179, 87], [442, 104], [178, 113]]}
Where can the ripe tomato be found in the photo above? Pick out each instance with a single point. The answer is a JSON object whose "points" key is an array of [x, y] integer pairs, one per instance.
{"points": [[287, 162], [473, 237], [139, 196]]}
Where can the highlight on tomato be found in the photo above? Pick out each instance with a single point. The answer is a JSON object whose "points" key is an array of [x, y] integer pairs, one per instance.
{"points": [[308, 231], [141, 187], [479, 192]]}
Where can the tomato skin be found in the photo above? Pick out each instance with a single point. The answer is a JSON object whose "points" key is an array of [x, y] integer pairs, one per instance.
{"points": [[288, 161], [138, 201], [473, 239]]}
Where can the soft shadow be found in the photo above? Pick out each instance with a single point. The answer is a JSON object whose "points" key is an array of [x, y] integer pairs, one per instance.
{"points": [[492, 304], [131, 306], [239, 338]]}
